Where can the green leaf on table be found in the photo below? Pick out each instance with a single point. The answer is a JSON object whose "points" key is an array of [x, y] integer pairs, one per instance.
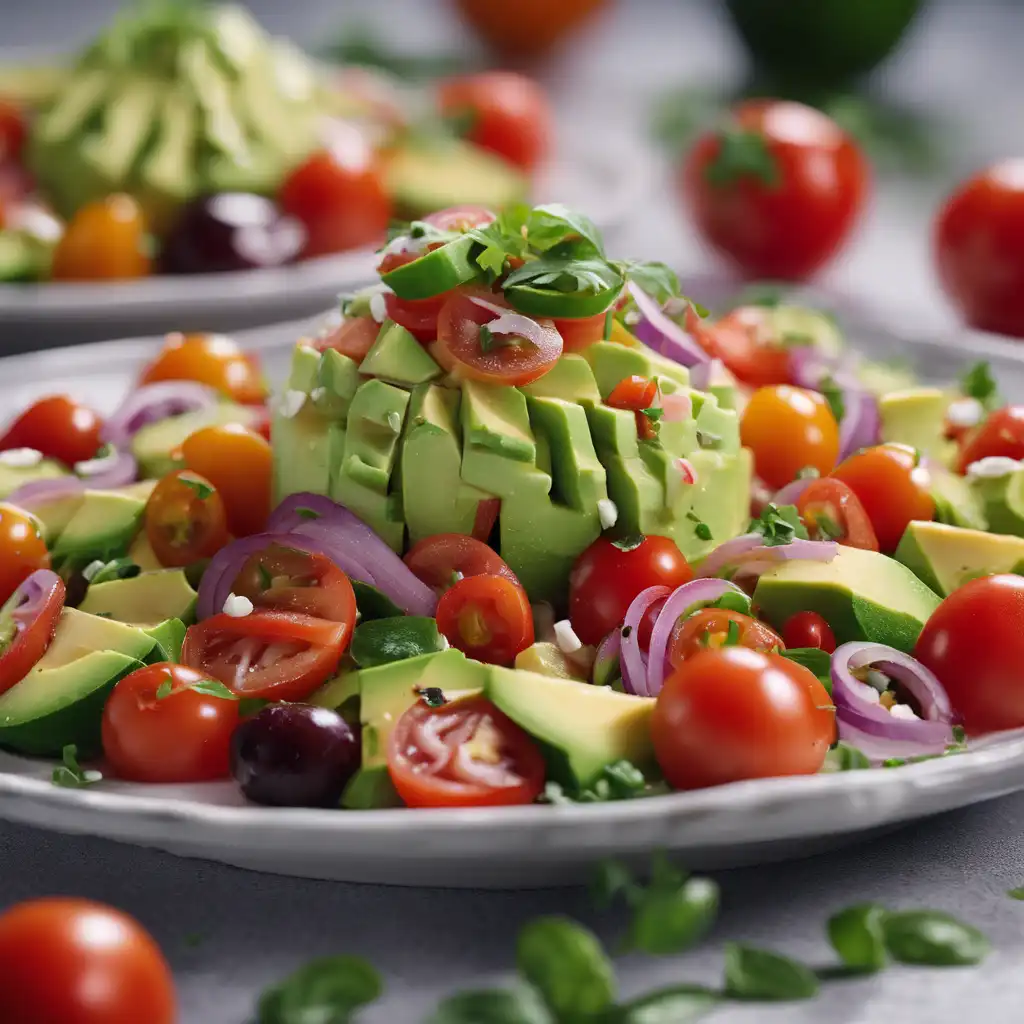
{"points": [[679, 1004], [325, 991], [1016, 894], [857, 934], [492, 1006], [933, 938], [760, 974], [672, 917], [70, 774], [613, 879]]}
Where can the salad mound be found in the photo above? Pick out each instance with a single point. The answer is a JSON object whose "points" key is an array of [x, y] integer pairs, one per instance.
{"points": [[524, 523]]}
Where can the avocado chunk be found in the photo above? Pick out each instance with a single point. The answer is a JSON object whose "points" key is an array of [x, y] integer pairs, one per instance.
{"points": [[863, 595], [339, 378], [917, 417], [547, 659], [102, 528], [582, 728], [61, 700], [157, 445], [612, 362], [14, 476], [169, 637], [303, 448], [570, 379], [1002, 499], [946, 557], [396, 356], [150, 597], [955, 500], [142, 554], [23, 257]]}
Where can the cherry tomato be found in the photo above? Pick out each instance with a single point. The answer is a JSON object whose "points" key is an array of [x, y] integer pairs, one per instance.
{"points": [[609, 574], [22, 549], [486, 617], [13, 132], [579, 333], [528, 28], [106, 240], [709, 628], [974, 643], [339, 196], [486, 516], [211, 359], [21, 649], [1002, 433], [353, 338], [445, 558], [730, 714], [488, 760], [495, 359], [778, 191], [809, 629], [744, 340], [57, 426], [240, 464], [505, 113], [270, 655], [288, 580], [158, 727], [417, 316], [185, 519], [831, 511], [892, 488], [788, 429], [979, 248], [460, 218], [80, 962]]}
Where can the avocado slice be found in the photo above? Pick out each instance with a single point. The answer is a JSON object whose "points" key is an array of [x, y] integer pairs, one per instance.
{"points": [[917, 417], [955, 500], [396, 356], [863, 595], [303, 450], [142, 554], [546, 659], [611, 362], [166, 174], [102, 528], [1003, 501], [156, 446], [150, 597]]}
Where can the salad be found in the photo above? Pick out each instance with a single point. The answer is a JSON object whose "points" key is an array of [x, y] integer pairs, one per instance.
{"points": [[523, 523], [185, 140]]}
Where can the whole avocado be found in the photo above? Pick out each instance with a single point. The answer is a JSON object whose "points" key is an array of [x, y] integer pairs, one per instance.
{"points": [[820, 42]]}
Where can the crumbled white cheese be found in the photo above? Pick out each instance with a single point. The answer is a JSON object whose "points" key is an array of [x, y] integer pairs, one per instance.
{"points": [[871, 694], [21, 458], [289, 404], [378, 307], [317, 394], [903, 711], [607, 512], [566, 638], [632, 318], [394, 421], [237, 606], [992, 467], [965, 412], [91, 775], [443, 644], [91, 569], [89, 467]]}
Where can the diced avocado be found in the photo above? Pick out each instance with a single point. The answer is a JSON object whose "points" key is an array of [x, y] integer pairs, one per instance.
{"points": [[428, 177], [142, 554], [339, 378], [103, 527], [143, 489], [13, 477], [304, 371], [148, 598], [169, 636], [547, 659], [55, 514], [881, 378], [61, 700], [946, 557], [570, 379], [396, 356], [917, 417], [167, 176], [23, 258], [863, 595], [612, 362], [582, 728], [956, 502], [303, 450], [1003, 501], [157, 445], [495, 423]]}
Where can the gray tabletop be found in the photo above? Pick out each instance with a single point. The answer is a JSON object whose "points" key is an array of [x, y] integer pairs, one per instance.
{"points": [[252, 928]]}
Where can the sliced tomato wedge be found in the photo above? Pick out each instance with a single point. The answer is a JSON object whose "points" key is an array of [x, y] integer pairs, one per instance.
{"points": [[744, 342], [445, 558], [832, 511], [270, 655], [577, 334], [354, 338], [28, 621], [487, 618], [465, 753]]}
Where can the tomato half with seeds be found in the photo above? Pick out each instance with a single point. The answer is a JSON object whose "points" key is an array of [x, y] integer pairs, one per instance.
{"points": [[809, 629], [487, 618], [212, 359], [711, 628], [445, 558], [22, 548], [57, 426], [185, 519], [580, 332], [832, 511], [746, 343], [465, 753], [353, 338], [1002, 433], [28, 621], [466, 345], [270, 655]]}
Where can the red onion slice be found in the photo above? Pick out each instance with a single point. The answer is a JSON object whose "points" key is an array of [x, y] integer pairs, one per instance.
{"points": [[31, 596], [41, 492], [511, 323], [792, 492], [634, 666], [663, 334], [153, 402], [748, 554], [116, 468], [862, 424]]}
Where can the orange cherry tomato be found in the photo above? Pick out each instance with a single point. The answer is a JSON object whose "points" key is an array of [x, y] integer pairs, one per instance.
{"points": [[240, 464], [20, 650], [211, 359], [1002, 433], [809, 629], [159, 727], [788, 429], [445, 558], [578, 333], [486, 617], [185, 519], [746, 343], [22, 549], [891, 486], [831, 511], [527, 28], [709, 628], [106, 240], [57, 426]]}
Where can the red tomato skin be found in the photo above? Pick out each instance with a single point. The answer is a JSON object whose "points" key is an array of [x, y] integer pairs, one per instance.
{"points": [[1002, 433], [487, 618], [435, 559], [809, 629], [578, 334], [974, 643], [31, 644], [789, 230], [77, 962], [978, 244], [843, 506], [22, 549], [57, 426]]}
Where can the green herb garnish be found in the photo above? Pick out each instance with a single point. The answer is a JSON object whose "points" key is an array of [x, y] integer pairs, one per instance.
{"points": [[978, 382], [164, 690], [328, 989], [857, 934], [844, 758], [1016, 894], [732, 634], [654, 413], [809, 473], [213, 688], [813, 658], [432, 696], [202, 489], [658, 280], [833, 394], [307, 513], [266, 580], [934, 938], [778, 525], [828, 527], [70, 774], [706, 439], [115, 569]]}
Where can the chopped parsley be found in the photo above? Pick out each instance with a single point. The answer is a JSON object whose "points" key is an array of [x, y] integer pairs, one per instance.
{"points": [[653, 413], [657, 279], [732, 634], [778, 525], [164, 690], [432, 696], [115, 569], [828, 527], [621, 780], [833, 394], [486, 339], [978, 382], [70, 774], [700, 528], [208, 687]]}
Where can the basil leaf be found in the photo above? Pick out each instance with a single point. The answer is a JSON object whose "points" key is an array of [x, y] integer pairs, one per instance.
{"points": [[659, 280], [669, 920], [857, 935], [818, 661], [613, 878], [492, 1006], [933, 937], [677, 1005], [213, 688], [70, 774], [551, 224], [844, 758], [759, 974], [568, 966], [833, 394], [565, 274], [325, 991]]}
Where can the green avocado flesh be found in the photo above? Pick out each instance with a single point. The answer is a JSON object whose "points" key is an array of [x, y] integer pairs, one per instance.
{"points": [[150, 597], [415, 455]]}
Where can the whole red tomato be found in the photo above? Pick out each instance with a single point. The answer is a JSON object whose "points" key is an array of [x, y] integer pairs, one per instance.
{"points": [[778, 190], [979, 248]]}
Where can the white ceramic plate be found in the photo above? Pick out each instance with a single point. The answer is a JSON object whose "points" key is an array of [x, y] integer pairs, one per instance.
{"points": [[742, 823]]}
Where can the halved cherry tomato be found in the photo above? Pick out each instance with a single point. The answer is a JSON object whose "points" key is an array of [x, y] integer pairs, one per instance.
{"points": [[636, 393], [461, 217], [353, 338], [445, 558], [212, 359], [80, 962], [462, 345], [506, 113], [106, 240], [609, 574], [13, 132], [1002, 433], [270, 655], [709, 628], [745, 342], [185, 519], [486, 617], [417, 316], [488, 760], [288, 580], [23, 643], [22, 549], [892, 487], [159, 726], [809, 629], [579, 333], [240, 464], [57, 426], [832, 511]]}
